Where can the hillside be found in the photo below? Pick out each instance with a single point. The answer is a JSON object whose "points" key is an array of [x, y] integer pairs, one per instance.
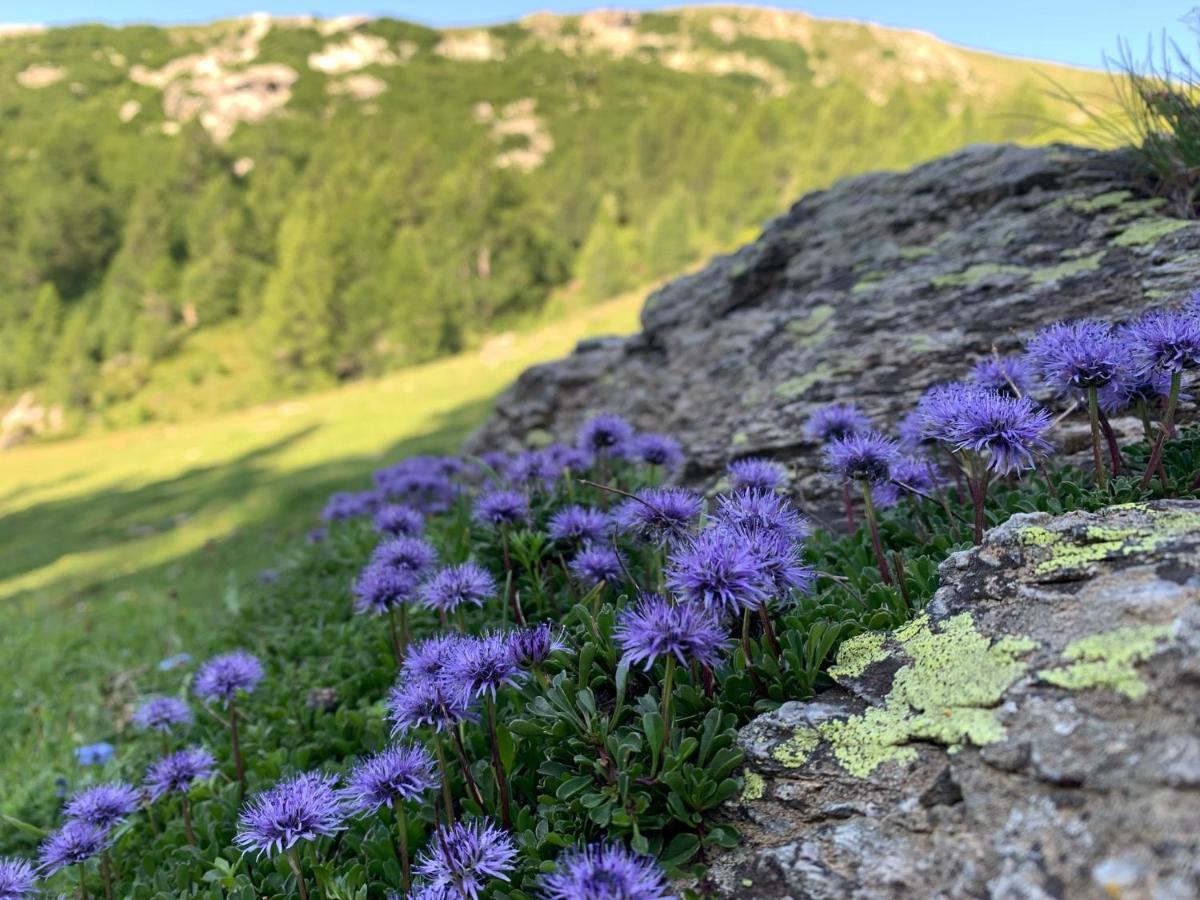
{"points": [[244, 209]]}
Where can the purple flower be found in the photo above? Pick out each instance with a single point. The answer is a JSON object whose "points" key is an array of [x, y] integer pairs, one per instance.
{"points": [[223, 676], [914, 475], [422, 482], [342, 506], [911, 432], [390, 776], [1131, 389], [399, 520], [76, 842], [176, 772], [178, 661], [779, 563], [426, 659], [717, 569], [836, 421], [104, 805], [750, 509], [501, 508], [862, 457], [759, 474], [596, 564], [532, 646], [606, 433], [659, 514], [303, 808], [462, 858], [569, 459], [1009, 431], [1164, 342], [533, 469], [455, 586], [654, 627], [417, 702], [408, 554], [941, 408], [578, 525], [94, 754], [16, 878], [658, 450], [380, 588], [606, 872], [1003, 374], [162, 714], [479, 667], [1076, 356]]}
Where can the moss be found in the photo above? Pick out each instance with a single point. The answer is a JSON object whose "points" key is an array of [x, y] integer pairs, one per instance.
{"points": [[1100, 202], [975, 274], [869, 282], [1072, 551], [911, 253], [1148, 231], [814, 327], [1107, 660], [753, 788], [794, 752], [795, 387], [1067, 269], [856, 654]]}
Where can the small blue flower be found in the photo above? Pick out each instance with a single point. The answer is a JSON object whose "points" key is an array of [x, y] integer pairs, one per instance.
{"points": [[178, 661], [94, 754], [758, 474], [461, 859], [223, 676], [104, 805], [16, 878], [303, 808], [162, 714], [654, 628], [390, 776], [606, 872], [76, 842], [176, 773]]}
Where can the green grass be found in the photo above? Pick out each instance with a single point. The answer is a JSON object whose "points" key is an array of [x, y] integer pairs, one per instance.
{"points": [[117, 550]]}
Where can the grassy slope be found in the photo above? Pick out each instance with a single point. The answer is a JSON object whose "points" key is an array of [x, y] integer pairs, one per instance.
{"points": [[117, 550]]}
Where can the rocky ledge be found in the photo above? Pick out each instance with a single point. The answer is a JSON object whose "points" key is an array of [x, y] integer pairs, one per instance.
{"points": [[1034, 734]]}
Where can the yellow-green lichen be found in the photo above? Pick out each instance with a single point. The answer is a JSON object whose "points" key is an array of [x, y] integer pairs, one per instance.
{"points": [[794, 752], [1107, 660], [916, 252], [1069, 551], [815, 327], [1100, 202], [1067, 269], [739, 439], [946, 694], [1148, 231], [753, 787], [856, 654], [1033, 536], [975, 274], [538, 437], [795, 387]]}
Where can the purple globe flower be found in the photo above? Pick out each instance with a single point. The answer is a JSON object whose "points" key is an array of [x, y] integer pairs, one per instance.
{"points": [[390, 776], [399, 520], [407, 554], [658, 450], [654, 627], [343, 506], [750, 509], [1009, 431], [533, 469], [779, 562], [104, 805], [659, 514], [1131, 389], [578, 525], [914, 475], [1003, 374], [94, 754], [717, 569], [596, 564], [940, 409], [1075, 356], [420, 702], [862, 457], [1164, 342], [426, 659], [569, 459], [381, 587], [606, 433], [479, 667], [76, 842], [497, 509], [303, 808], [532, 646], [757, 474], [223, 676], [176, 773], [911, 432], [462, 859], [16, 878], [836, 421], [455, 586], [606, 872]]}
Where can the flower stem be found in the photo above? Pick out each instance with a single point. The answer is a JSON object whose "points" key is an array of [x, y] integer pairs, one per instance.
{"points": [[295, 864], [239, 766], [447, 797], [402, 829], [1097, 457], [83, 892], [668, 687], [768, 630], [885, 571], [106, 874], [848, 505], [498, 765], [1110, 438], [187, 822], [461, 752], [509, 579], [394, 637], [1165, 427]]}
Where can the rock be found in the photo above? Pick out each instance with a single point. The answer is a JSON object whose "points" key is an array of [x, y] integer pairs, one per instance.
{"points": [[872, 291], [29, 419], [1036, 733]]}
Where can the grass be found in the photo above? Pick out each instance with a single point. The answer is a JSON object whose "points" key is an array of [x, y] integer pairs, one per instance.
{"points": [[117, 550]]}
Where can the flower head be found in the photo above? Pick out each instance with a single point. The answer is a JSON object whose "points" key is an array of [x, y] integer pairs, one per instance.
{"points": [[458, 585], [176, 772], [462, 858], [862, 457], [578, 525], [76, 842], [500, 508], [1133, 388], [778, 557], [597, 564], [606, 872], [104, 805], [717, 569], [399, 520], [303, 808], [1003, 374], [749, 509], [480, 666], [418, 702], [1076, 356], [533, 646], [567, 458], [654, 627], [836, 421], [1164, 341], [178, 661], [412, 555], [381, 587], [426, 659], [757, 474], [343, 505], [941, 407], [659, 514], [606, 433], [1009, 431], [16, 878], [658, 450], [223, 676], [913, 475], [94, 754], [390, 776]]}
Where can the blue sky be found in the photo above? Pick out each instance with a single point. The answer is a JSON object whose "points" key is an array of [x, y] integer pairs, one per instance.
{"points": [[1073, 31]]}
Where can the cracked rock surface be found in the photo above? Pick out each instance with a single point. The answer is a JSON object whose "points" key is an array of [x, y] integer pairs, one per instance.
{"points": [[1035, 734]]}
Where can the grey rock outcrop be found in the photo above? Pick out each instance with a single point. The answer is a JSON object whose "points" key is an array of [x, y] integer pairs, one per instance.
{"points": [[1035, 734]]}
